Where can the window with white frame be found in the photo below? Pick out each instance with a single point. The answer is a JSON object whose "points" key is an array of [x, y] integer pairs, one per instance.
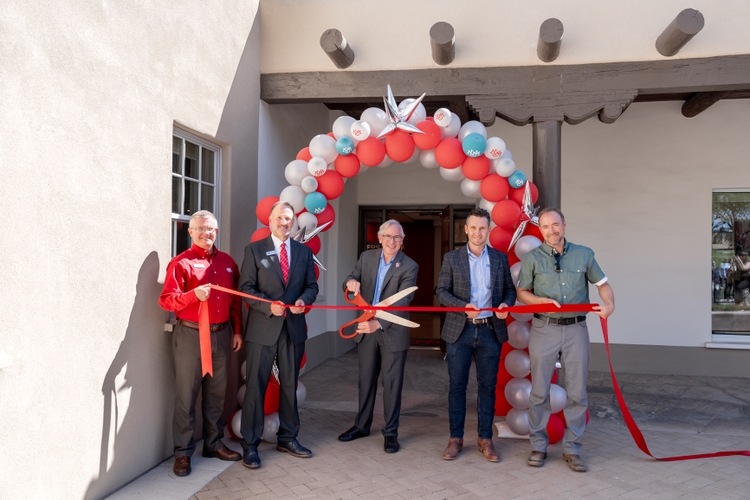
{"points": [[196, 170]]}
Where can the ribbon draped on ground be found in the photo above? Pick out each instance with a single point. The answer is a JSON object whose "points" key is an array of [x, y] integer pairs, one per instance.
{"points": [[635, 432]]}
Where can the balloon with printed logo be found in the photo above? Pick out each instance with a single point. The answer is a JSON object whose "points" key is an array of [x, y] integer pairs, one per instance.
{"points": [[260, 234], [517, 392], [263, 209], [526, 244], [500, 238], [555, 429], [309, 184], [516, 194], [518, 363], [449, 153], [477, 168], [295, 196], [494, 188], [470, 188], [327, 215], [331, 184], [427, 159], [517, 179], [506, 213], [518, 421], [270, 427], [452, 175], [347, 166], [344, 146], [371, 151], [360, 130], [522, 316], [419, 115], [313, 244], [304, 154], [451, 130], [342, 127], [518, 333], [472, 127], [295, 171], [323, 146], [399, 146], [443, 117], [317, 166], [557, 398], [474, 145], [376, 119], [315, 202], [308, 221], [495, 148], [504, 167]]}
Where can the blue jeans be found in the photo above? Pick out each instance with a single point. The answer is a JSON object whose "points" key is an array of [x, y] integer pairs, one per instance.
{"points": [[478, 342]]}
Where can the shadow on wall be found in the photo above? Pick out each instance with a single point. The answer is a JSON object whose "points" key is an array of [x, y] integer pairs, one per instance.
{"points": [[138, 392]]}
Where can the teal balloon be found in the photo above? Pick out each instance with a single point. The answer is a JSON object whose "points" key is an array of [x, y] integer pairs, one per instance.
{"points": [[315, 202], [474, 145], [345, 146], [517, 179]]}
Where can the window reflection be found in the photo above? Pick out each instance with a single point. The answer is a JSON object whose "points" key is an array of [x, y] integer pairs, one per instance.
{"points": [[730, 252]]}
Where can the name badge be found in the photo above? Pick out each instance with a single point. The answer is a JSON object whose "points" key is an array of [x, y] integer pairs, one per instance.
{"points": [[271, 252], [199, 266]]}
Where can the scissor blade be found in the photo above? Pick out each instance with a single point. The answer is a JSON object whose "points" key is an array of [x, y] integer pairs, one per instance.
{"points": [[396, 296], [395, 319]]}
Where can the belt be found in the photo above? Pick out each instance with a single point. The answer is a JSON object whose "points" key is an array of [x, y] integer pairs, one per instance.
{"points": [[560, 321], [216, 327], [479, 321]]}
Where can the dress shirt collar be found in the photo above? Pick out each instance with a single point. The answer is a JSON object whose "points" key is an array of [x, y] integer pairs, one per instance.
{"points": [[481, 254], [551, 251], [203, 253], [277, 243]]}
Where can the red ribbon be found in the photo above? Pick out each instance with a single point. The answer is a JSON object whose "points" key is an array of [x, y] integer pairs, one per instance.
{"points": [[360, 304], [204, 335]]}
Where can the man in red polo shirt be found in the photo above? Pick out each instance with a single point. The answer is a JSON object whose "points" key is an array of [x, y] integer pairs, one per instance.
{"points": [[186, 285]]}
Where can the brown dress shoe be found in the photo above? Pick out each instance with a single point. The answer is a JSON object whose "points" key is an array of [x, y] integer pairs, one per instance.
{"points": [[182, 466], [223, 453], [488, 449], [455, 445], [575, 463]]}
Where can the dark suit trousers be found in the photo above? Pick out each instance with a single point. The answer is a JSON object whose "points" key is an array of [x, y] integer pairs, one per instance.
{"points": [[189, 380], [372, 357], [259, 363]]}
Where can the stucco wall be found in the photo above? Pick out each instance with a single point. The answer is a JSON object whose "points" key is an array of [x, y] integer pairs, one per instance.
{"points": [[90, 95]]}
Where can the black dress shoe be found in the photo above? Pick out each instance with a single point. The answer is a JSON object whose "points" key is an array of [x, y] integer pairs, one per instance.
{"points": [[352, 434], [251, 459], [294, 449], [391, 444]]}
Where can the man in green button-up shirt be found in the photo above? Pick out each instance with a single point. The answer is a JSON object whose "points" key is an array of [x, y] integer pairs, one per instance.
{"points": [[559, 272]]}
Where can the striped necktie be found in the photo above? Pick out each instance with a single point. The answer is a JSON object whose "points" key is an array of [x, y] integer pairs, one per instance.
{"points": [[284, 261]]}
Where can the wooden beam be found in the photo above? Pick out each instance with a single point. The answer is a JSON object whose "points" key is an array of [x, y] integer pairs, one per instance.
{"points": [[547, 163], [550, 40], [680, 31], [701, 102], [443, 43], [334, 45]]}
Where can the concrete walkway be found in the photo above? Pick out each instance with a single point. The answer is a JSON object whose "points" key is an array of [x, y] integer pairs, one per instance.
{"points": [[678, 416]]}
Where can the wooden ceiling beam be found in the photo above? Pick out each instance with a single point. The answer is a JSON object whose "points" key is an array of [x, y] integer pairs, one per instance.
{"points": [[701, 102]]}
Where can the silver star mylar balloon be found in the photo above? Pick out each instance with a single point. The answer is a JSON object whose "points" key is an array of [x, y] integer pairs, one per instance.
{"points": [[399, 118], [303, 237], [528, 214]]}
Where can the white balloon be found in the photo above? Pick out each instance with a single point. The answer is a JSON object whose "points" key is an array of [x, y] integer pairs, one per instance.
{"points": [[452, 174], [295, 171], [470, 188], [419, 115], [317, 166], [427, 159], [241, 395], [295, 226], [515, 271], [518, 334], [526, 244], [517, 363], [495, 148], [557, 398], [451, 130], [520, 316], [237, 424], [518, 421], [360, 130], [443, 117], [308, 221], [507, 154], [301, 393], [270, 427], [385, 163], [342, 127], [324, 146], [295, 196], [414, 157], [504, 166], [472, 127], [376, 119], [487, 205], [517, 392], [309, 184]]}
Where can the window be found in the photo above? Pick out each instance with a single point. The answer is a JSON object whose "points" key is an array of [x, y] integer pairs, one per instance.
{"points": [[196, 170]]}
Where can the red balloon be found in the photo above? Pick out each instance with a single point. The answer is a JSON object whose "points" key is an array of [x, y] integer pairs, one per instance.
{"points": [[399, 146], [449, 153], [431, 137], [587, 416], [494, 187], [314, 245], [532, 230], [304, 154], [477, 168], [509, 319], [554, 377], [330, 134], [506, 213], [371, 151], [561, 415], [505, 350], [347, 166], [555, 429], [516, 194], [500, 238], [331, 184], [304, 354], [263, 209], [260, 234], [502, 407], [271, 403], [512, 258], [326, 215]]}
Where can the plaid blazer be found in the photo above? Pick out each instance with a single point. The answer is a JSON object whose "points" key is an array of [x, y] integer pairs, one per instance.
{"points": [[454, 290]]}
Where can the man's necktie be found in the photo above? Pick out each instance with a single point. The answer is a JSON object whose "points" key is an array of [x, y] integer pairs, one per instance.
{"points": [[284, 261]]}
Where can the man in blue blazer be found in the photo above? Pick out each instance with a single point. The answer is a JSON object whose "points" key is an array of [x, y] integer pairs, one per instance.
{"points": [[474, 277], [279, 269]]}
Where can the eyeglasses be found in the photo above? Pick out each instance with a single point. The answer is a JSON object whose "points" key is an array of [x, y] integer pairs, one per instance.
{"points": [[557, 262], [201, 229], [388, 237]]}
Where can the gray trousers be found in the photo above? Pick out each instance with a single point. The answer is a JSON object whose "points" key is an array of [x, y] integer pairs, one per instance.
{"points": [[374, 358], [186, 352], [545, 341]]}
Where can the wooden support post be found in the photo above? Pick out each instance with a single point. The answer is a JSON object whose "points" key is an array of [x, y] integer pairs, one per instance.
{"points": [[701, 102], [443, 43], [334, 45], [546, 162], [550, 40], [680, 31]]}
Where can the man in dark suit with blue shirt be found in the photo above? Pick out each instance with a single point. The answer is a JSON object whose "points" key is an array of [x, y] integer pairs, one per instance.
{"points": [[280, 269], [474, 277]]}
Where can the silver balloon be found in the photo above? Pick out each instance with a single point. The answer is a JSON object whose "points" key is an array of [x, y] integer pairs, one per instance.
{"points": [[521, 316], [557, 398], [528, 214], [488, 205], [301, 393], [243, 371], [270, 427], [517, 363], [470, 188], [518, 421], [518, 334], [517, 392], [241, 395], [452, 174], [515, 272], [237, 423], [399, 118], [427, 159], [526, 244]]}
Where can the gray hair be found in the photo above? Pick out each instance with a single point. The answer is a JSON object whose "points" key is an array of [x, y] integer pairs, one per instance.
{"points": [[284, 204], [202, 214], [392, 222]]}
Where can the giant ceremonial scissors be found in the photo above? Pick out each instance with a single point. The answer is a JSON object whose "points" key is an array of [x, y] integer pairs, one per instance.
{"points": [[377, 313]]}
